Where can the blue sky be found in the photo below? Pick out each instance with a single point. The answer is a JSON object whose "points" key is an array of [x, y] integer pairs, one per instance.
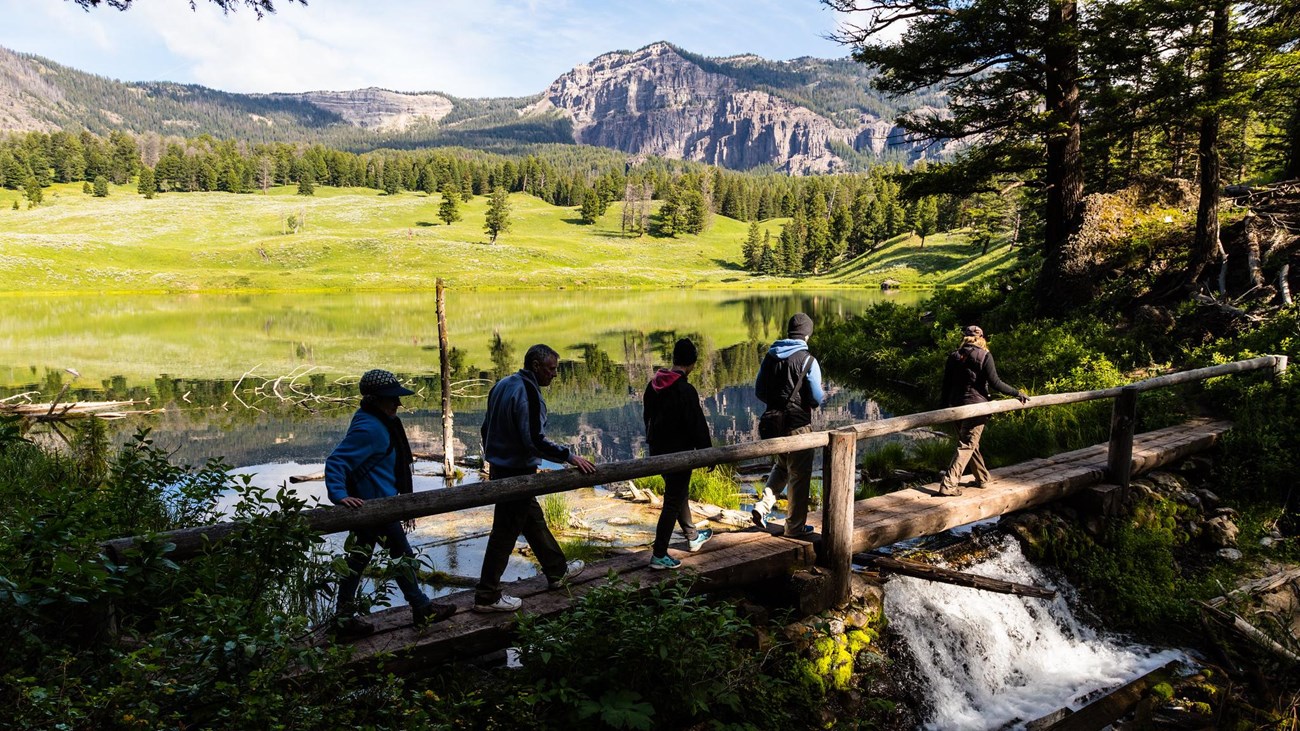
{"points": [[467, 48]]}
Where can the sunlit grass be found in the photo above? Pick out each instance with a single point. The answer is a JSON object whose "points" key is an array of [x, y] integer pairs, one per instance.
{"points": [[716, 487]]}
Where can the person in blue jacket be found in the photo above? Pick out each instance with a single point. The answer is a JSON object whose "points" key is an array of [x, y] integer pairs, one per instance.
{"points": [[790, 382], [372, 462], [514, 444]]}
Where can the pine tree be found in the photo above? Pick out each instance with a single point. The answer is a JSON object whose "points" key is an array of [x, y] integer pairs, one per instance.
{"points": [[101, 186], [147, 185], [32, 190], [591, 207], [498, 214], [306, 182], [449, 209], [752, 248], [927, 217]]}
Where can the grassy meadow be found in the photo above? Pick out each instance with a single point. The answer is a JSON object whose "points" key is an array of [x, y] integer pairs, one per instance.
{"points": [[359, 239]]}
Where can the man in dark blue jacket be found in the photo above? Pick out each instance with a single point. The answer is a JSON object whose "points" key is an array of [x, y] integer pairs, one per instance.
{"points": [[374, 461], [515, 443], [967, 376], [790, 381]]}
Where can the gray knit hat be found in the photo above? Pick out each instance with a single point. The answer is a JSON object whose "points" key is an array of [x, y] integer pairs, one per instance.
{"points": [[382, 383], [800, 326]]}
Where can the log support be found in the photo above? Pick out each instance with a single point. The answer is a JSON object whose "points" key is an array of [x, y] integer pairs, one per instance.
{"points": [[840, 473], [1123, 422]]}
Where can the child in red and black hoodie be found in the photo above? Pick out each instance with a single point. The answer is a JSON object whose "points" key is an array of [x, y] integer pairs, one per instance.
{"points": [[674, 422]]}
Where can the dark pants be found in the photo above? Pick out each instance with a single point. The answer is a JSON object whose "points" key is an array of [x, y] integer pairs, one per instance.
{"points": [[361, 548], [677, 509], [512, 518]]}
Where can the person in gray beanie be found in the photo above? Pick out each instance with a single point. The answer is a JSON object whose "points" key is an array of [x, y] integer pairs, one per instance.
{"points": [[789, 383]]}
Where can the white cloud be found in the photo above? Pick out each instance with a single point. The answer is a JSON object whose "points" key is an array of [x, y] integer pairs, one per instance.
{"points": [[461, 47]]}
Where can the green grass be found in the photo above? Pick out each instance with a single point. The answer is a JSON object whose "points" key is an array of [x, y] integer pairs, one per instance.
{"points": [[356, 238], [716, 487], [555, 508]]}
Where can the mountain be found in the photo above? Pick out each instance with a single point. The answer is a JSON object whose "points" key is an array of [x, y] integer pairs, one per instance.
{"points": [[742, 112]]}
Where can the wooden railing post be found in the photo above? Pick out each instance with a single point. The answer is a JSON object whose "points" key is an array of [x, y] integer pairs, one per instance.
{"points": [[840, 467], [1123, 422], [1279, 365]]}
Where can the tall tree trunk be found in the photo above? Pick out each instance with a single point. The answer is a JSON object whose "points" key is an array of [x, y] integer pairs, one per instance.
{"points": [[1206, 246], [1292, 170], [1059, 282]]}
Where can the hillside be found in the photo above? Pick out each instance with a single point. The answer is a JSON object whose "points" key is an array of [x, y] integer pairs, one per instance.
{"points": [[743, 112], [354, 238]]}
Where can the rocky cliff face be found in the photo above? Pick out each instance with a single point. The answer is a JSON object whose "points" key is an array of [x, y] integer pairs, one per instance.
{"points": [[654, 101], [378, 109]]}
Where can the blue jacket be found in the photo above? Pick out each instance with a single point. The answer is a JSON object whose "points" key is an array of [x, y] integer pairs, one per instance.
{"points": [[366, 452], [515, 424], [776, 379]]}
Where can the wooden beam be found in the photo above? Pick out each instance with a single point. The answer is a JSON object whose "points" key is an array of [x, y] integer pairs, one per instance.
{"points": [[1123, 422], [841, 465], [1102, 712], [948, 576]]}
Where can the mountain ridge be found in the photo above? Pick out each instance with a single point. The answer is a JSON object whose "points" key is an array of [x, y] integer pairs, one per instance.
{"points": [[742, 112]]}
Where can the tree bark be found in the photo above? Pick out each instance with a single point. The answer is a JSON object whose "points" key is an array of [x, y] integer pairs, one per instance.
{"points": [[1206, 246], [1064, 169]]}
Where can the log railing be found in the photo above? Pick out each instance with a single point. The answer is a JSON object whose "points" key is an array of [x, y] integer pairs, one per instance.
{"points": [[839, 470]]}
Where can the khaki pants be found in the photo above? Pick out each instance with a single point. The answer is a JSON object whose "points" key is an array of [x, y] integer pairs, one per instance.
{"points": [[792, 471], [968, 451]]}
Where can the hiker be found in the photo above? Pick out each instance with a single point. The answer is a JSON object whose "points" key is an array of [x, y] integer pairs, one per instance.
{"points": [[967, 375], [674, 422], [374, 461], [790, 384], [514, 443]]}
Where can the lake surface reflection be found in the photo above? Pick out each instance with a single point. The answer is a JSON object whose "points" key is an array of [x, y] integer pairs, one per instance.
{"points": [[269, 378]]}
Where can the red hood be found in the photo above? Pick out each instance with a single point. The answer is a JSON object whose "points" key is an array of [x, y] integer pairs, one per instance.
{"points": [[664, 378]]}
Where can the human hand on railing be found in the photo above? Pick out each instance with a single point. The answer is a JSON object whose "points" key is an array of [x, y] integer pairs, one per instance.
{"points": [[584, 466], [352, 502], [408, 525], [1024, 397]]}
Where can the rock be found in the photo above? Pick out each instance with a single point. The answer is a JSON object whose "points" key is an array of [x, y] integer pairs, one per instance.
{"points": [[1228, 554], [1155, 317], [1225, 513], [619, 520], [1266, 542], [1187, 497], [655, 101], [890, 284], [378, 109], [835, 626], [1166, 481], [1209, 500], [1220, 532]]}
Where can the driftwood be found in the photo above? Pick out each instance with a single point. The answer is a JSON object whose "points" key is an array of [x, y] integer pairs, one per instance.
{"points": [[948, 576], [1258, 586], [54, 411], [1250, 632], [1102, 712]]}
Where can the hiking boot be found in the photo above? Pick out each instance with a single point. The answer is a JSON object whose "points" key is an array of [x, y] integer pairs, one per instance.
{"points": [[571, 572], [504, 604], [664, 563], [431, 612], [701, 537], [802, 530], [352, 627], [948, 491]]}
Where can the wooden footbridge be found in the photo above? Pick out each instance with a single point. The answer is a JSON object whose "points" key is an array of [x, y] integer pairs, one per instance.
{"points": [[747, 557]]}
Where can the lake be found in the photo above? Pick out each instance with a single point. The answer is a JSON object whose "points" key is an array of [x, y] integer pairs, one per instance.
{"points": [[271, 378]]}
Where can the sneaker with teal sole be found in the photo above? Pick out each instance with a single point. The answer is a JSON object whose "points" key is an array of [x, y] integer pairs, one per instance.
{"points": [[664, 563], [702, 536]]}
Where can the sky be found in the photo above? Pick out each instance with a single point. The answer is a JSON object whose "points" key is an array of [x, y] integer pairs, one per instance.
{"points": [[467, 48]]}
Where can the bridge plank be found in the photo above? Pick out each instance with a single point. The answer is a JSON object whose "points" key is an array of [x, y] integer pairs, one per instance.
{"points": [[730, 559]]}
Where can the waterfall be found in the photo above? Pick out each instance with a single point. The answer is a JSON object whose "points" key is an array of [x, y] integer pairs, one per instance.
{"points": [[995, 661]]}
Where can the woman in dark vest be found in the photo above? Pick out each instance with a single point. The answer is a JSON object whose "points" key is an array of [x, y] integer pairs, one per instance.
{"points": [[967, 376]]}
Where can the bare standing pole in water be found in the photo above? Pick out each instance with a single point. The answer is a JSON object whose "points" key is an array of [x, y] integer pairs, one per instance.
{"points": [[448, 453]]}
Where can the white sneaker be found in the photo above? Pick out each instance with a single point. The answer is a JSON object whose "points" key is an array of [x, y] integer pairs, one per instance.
{"points": [[575, 567], [504, 604]]}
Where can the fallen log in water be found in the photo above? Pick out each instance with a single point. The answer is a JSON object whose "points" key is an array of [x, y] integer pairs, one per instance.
{"points": [[948, 576], [108, 410], [1102, 712]]}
